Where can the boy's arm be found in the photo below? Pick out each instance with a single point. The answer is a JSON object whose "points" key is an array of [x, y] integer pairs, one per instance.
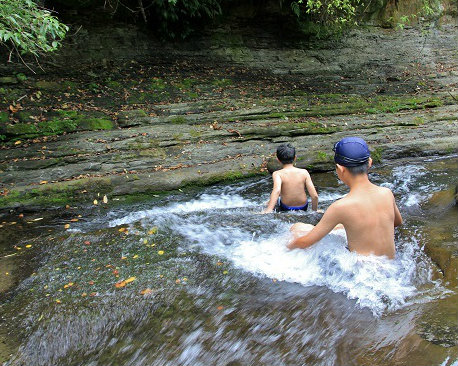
{"points": [[328, 222], [276, 190], [311, 191], [397, 214]]}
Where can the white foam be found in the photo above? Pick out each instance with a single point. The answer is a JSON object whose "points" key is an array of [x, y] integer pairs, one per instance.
{"points": [[204, 203], [377, 283], [221, 225]]}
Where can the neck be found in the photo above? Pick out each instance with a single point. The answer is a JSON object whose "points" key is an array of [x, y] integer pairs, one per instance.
{"points": [[356, 181], [288, 165]]}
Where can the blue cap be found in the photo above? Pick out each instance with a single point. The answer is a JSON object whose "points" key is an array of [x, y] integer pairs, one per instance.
{"points": [[351, 151]]}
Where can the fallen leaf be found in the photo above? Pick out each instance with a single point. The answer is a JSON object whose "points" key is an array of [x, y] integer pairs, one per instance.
{"points": [[74, 220], [220, 307], [130, 279], [105, 199], [58, 301], [153, 231], [120, 284], [160, 252], [135, 256], [87, 242], [146, 291], [67, 226], [122, 229], [43, 182], [96, 202], [28, 246], [18, 142]]}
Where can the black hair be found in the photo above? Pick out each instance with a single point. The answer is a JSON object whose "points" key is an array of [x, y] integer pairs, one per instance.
{"points": [[359, 169], [286, 153]]}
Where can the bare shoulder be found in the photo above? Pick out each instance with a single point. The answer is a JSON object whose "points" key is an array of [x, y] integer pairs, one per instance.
{"points": [[341, 204], [303, 172], [385, 191], [277, 174]]}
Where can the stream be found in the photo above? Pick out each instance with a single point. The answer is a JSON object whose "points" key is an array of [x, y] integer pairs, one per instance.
{"points": [[199, 277]]}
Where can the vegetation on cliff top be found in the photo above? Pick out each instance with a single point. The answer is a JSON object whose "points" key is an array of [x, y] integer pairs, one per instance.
{"points": [[28, 28], [25, 27]]}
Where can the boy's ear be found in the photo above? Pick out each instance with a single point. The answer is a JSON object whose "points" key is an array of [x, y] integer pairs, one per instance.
{"points": [[340, 168], [370, 162]]}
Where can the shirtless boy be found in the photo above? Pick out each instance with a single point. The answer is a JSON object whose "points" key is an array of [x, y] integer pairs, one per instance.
{"points": [[368, 213], [290, 183]]}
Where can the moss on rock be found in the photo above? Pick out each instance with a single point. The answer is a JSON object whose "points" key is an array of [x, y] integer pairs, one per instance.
{"points": [[94, 124], [22, 129], [56, 127], [4, 117]]}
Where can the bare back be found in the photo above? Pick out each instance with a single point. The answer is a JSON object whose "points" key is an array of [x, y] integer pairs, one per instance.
{"points": [[368, 216], [293, 185]]}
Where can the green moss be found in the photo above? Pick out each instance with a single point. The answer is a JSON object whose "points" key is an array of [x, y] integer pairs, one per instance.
{"points": [[322, 156], [157, 84], [115, 85], [185, 84], [178, 120], [419, 121], [155, 153], [69, 85], [93, 87], [192, 95], [50, 85], [21, 77], [376, 155], [67, 114], [222, 82], [229, 176], [56, 126], [94, 124], [195, 133], [4, 117], [56, 194], [23, 116], [22, 129]]}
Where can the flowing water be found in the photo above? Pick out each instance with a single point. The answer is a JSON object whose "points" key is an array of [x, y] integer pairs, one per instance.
{"points": [[201, 278]]}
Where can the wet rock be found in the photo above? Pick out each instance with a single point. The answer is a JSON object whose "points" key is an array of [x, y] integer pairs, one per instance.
{"points": [[49, 85], [440, 233], [136, 117], [440, 334], [440, 326]]}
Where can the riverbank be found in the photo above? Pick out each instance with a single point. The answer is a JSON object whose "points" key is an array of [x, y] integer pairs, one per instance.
{"points": [[69, 140]]}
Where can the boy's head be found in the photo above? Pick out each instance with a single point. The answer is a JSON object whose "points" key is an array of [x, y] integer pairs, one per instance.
{"points": [[353, 154], [286, 153]]}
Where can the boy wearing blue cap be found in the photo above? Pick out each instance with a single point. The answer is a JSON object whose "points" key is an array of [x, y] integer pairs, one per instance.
{"points": [[368, 212], [288, 192]]}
